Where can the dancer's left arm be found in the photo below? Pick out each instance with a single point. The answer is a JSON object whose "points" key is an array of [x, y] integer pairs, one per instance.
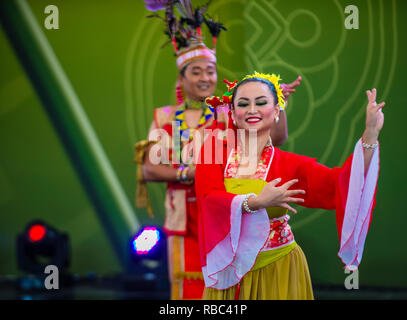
{"points": [[350, 189], [374, 123]]}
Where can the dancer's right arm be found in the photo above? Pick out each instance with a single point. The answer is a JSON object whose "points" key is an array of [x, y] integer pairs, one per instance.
{"points": [[160, 172], [157, 172]]}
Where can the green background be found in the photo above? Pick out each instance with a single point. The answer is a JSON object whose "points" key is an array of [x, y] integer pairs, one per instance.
{"points": [[111, 53]]}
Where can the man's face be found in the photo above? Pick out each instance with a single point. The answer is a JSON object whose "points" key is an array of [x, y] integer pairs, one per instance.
{"points": [[199, 79]]}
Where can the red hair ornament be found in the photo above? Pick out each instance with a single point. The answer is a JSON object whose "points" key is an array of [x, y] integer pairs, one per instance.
{"points": [[215, 102]]}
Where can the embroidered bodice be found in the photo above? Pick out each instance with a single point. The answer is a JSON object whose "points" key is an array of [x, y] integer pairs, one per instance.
{"points": [[280, 231]]}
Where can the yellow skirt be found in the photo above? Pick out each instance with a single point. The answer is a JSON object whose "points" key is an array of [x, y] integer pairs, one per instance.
{"points": [[285, 279]]}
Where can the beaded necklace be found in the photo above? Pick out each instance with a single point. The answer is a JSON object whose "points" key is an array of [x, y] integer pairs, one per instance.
{"points": [[186, 133]]}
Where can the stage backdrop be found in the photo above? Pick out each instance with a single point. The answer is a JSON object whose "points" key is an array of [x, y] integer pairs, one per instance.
{"points": [[112, 55]]}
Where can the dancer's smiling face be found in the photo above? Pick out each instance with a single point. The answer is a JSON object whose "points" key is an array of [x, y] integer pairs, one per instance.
{"points": [[199, 79], [254, 106]]}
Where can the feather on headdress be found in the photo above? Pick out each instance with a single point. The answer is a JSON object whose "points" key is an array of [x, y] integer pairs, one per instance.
{"points": [[184, 31]]}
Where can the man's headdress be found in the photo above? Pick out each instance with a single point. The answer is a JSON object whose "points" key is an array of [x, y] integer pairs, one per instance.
{"points": [[185, 32], [184, 29]]}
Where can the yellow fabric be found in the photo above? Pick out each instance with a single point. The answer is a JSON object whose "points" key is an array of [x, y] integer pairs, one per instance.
{"points": [[266, 257], [142, 198], [285, 279], [175, 267], [278, 274], [189, 275], [245, 186]]}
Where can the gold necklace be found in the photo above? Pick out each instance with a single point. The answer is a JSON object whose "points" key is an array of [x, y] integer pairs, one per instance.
{"points": [[194, 104]]}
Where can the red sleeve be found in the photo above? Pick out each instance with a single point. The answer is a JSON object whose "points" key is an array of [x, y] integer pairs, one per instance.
{"points": [[326, 188], [321, 183], [213, 202]]}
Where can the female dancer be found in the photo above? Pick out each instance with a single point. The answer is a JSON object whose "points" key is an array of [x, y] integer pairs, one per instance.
{"points": [[247, 248]]}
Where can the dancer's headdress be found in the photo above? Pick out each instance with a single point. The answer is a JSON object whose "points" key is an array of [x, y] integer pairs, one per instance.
{"points": [[274, 80], [227, 97], [185, 31]]}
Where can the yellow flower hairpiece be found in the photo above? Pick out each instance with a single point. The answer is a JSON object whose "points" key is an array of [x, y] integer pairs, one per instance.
{"points": [[274, 80]]}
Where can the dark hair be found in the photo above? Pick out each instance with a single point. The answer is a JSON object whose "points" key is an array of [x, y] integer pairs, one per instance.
{"points": [[182, 71], [269, 85]]}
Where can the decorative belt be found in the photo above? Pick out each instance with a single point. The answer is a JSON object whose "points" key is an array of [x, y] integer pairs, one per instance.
{"points": [[280, 233]]}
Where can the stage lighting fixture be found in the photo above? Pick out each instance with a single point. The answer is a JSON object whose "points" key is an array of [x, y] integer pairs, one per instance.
{"points": [[149, 267], [148, 249], [41, 245]]}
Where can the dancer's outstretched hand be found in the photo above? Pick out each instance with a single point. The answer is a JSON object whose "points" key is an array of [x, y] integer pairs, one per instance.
{"points": [[374, 115], [290, 88], [273, 196]]}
